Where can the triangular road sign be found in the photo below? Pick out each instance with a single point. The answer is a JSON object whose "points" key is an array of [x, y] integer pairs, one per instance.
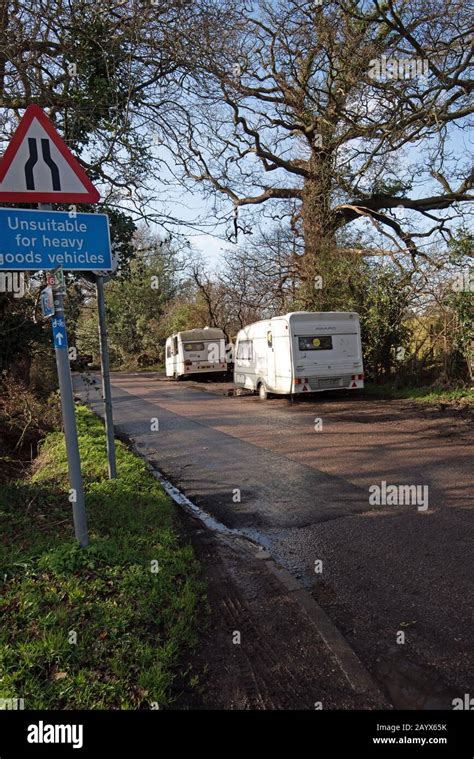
{"points": [[38, 167]]}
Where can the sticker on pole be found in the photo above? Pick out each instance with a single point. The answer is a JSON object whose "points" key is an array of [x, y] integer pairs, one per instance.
{"points": [[47, 302], [38, 167], [55, 279], [59, 333]]}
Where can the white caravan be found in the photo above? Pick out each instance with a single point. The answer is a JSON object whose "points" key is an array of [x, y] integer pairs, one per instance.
{"points": [[195, 351], [301, 352]]}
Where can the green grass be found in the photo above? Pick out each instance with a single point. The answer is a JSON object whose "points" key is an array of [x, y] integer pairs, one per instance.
{"points": [[131, 367], [422, 394], [133, 626]]}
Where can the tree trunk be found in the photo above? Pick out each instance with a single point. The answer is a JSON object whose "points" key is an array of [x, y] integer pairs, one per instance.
{"points": [[318, 228]]}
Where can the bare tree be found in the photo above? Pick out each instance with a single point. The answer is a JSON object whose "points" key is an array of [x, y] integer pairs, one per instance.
{"points": [[102, 71], [344, 111], [260, 275]]}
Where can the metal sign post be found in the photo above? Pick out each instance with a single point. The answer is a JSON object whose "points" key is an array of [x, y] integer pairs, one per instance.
{"points": [[106, 391], [69, 415]]}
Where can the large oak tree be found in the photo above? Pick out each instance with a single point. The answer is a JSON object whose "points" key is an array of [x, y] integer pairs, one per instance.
{"points": [[339, 110]]}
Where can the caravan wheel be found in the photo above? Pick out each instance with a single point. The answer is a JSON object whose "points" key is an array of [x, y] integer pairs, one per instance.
{"points": [[262, 392]]}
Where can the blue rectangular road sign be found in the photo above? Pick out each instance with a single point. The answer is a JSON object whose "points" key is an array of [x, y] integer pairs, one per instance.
{"points": [[42, 240], [59, 332]]}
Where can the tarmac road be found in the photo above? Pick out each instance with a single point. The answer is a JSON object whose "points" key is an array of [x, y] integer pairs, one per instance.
{"points": [[396, 580]]}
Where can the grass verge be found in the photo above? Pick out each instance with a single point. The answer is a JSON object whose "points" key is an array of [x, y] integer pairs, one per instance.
{"points": [[98, 628], [463, 397]]}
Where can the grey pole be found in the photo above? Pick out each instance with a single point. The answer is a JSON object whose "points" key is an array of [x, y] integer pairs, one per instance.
{"points": [[70, 429], [70, 433], [106, 391]]}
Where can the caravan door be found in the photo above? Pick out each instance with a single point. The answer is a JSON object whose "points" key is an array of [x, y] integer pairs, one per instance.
{"points": [[169, 360], [271, 378]]}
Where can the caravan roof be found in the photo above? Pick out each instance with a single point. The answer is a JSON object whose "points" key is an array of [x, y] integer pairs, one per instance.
{"points": [[311, 316], [320, 315], [207, 333]]}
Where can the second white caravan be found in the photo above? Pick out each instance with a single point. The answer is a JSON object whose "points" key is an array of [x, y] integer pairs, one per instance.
{"points": [[300, 352], [196, 351]]}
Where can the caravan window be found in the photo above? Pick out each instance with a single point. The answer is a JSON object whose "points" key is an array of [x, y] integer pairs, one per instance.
{"points": [[244, 350], [193, 346], [315, 343], [169, 352]]}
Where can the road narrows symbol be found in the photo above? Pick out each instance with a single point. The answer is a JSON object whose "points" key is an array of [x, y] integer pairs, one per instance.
{"points": [[33, 160], [45, 149]]}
